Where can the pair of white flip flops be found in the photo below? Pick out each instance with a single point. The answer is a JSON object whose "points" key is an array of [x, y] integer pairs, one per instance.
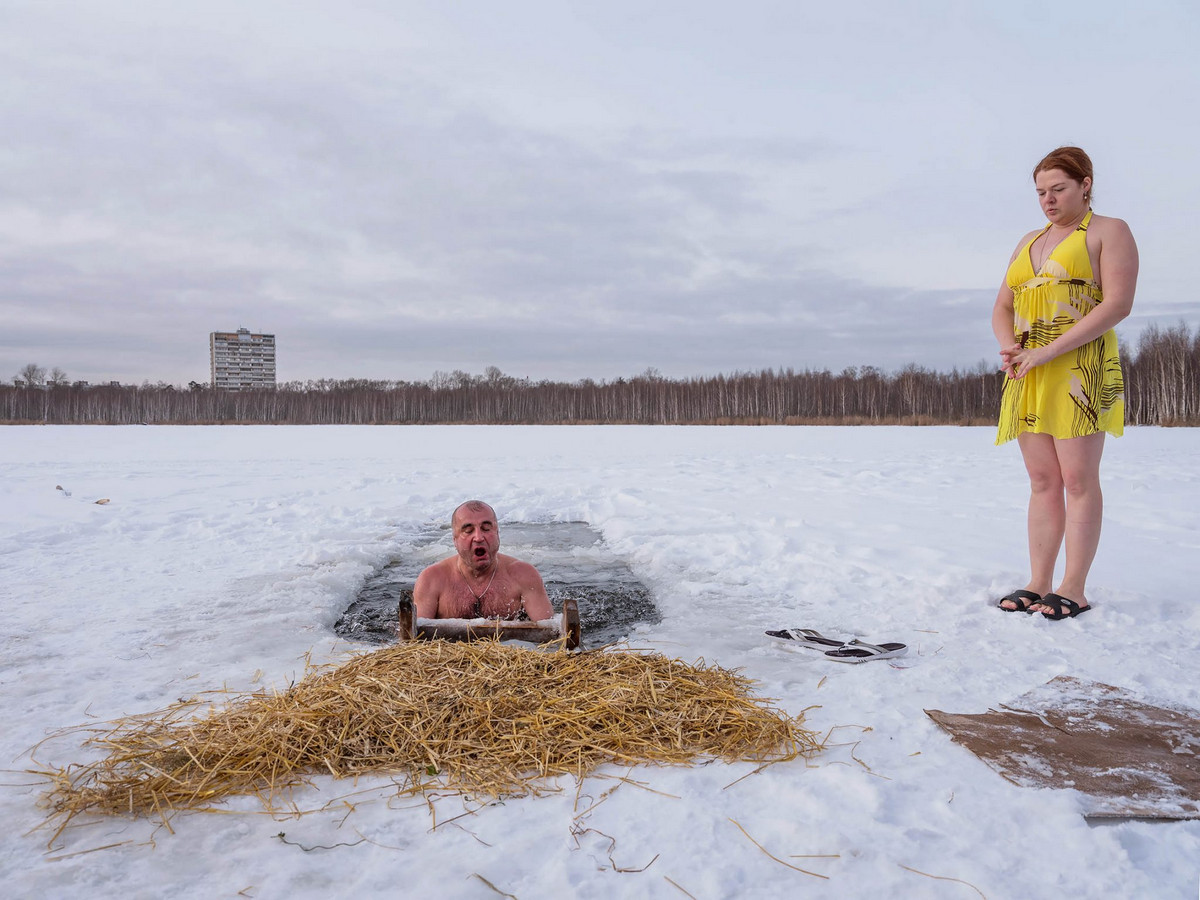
{"points": [[851, 651]]}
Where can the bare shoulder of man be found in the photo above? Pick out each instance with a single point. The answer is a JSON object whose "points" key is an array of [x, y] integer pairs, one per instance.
{"points": [[523, 573], [533, 590], [427, 592]]}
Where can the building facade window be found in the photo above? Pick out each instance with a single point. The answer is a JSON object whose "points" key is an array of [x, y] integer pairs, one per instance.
{"points": [[241, 360]]}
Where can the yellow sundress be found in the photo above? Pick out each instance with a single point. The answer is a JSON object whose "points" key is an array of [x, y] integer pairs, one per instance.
{"points": [[1082, 391]]}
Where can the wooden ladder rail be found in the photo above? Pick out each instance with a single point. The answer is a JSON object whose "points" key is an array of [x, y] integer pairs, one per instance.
{"points": [[410, 628]]}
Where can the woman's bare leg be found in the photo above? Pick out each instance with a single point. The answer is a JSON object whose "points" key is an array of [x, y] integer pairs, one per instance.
{"points": [[1047, 511], [1079, 460]]}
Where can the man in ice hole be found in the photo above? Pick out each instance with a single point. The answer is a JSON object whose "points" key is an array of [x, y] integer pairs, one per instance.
{"points": [[480, 582]]}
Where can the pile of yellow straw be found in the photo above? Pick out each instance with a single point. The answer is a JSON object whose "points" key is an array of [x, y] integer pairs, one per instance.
{"points": [[480, 717]]}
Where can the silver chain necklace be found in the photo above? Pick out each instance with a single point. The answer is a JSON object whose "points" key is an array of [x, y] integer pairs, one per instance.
{"points": [[1048, 248], [479, 597]]}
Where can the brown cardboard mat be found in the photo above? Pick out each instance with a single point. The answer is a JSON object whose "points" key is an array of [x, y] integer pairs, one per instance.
{"points": [[1127, 758]]}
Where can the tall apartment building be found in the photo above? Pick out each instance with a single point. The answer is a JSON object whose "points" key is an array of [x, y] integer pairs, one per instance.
{"points": [[242, 360]]}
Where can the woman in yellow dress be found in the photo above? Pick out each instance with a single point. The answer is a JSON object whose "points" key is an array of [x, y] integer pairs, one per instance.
{"points": [[1067, 285]]}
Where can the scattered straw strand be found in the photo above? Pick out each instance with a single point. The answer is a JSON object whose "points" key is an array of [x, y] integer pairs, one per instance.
{"points": [[493, 887], [680, 887], [943, 878], [772, 855]]}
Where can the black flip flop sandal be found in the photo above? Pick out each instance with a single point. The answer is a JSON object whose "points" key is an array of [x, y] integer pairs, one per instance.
{"points": [[1063, 608], [857, 651], [805, 637], [1023, 599]]}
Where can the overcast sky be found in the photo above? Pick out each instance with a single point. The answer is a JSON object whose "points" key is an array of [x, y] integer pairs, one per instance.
{"points": [[567, 189]]}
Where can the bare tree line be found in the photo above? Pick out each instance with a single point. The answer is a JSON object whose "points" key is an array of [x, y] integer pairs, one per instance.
{"points": [[1162, 387], [1165, 377]]}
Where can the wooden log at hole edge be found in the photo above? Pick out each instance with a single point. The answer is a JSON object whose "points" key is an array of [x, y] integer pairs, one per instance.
{"points": [[410, 628]]}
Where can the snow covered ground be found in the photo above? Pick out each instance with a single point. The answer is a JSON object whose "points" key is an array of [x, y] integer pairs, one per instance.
{"points": [[227, 553]]}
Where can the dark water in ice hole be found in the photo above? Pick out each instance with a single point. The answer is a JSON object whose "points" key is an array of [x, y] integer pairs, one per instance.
{"points": [[571, 557]]}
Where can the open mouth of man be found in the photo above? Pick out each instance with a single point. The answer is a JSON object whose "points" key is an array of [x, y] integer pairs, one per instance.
{"points": [[480, 552]]}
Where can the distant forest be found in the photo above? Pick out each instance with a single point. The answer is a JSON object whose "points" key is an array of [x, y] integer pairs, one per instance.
{"points": [[1162, 387]]}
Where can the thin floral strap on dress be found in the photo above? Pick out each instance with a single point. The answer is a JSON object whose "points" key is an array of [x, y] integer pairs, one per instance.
{"points": [[1067, 263], [1080, 253], [1082, 226]]}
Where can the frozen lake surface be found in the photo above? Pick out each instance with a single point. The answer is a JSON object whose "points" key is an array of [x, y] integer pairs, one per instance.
{"points": [[226, 556]]}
